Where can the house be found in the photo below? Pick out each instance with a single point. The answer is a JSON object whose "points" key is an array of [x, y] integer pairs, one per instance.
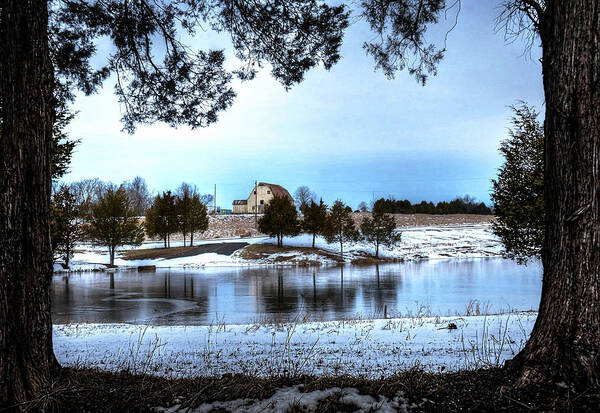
{"points": [[260, 195]]}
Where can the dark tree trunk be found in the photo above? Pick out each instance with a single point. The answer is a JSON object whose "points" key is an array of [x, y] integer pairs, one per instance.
{"points": [[565, 341], [192, 239], [26, 356], [67, 255], [111, 252], [314, 237], [377, 250]]}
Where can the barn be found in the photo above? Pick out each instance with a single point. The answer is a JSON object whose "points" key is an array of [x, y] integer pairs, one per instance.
{"points": [[259, 196]]}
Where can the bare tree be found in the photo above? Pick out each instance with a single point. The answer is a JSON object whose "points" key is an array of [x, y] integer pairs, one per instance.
{"points": [[206, 199], [303, 197], [87, 192], [139, 195]]}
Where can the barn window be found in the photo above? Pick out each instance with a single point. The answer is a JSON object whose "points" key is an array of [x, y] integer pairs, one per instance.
{"points": [[262, 201], [268, 192]]}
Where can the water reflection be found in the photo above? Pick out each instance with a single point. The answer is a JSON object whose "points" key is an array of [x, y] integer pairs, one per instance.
{"points": [[240, 295]]}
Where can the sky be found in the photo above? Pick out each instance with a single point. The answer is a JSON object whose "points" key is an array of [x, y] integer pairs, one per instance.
{"points": [[348, 133]]}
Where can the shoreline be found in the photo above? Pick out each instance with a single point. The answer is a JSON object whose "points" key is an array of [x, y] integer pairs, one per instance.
{"points": [[418, 243]]}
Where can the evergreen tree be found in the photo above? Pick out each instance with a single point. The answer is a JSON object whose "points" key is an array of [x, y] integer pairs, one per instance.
{"points": [[518, 193], [65, 231], [155, 223], [162, 218], [314, 218], [191, 211], [183, 205], [197, 219], [280, 218], [62, 145], [460, 205], [380, 230], [339, 225], [113, 223]]}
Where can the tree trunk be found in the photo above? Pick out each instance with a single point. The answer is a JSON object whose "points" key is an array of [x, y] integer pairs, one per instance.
{"points": [[341, 247], [111, 252], [565, 341], [26, 79], [314, 237], [192, 239], [377, 250]]}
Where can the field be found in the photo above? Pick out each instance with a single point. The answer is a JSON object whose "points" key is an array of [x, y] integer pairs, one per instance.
{"points": [[237, 226]]}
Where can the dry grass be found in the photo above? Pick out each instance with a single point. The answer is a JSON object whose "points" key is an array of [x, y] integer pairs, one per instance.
{"points": [[482, 390], [366, 259], [422, 220], [264, 251]]}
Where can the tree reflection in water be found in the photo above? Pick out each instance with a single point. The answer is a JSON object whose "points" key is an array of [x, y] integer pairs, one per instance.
{"points": [[242, 295]]}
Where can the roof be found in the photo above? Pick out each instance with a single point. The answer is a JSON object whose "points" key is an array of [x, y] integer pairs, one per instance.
{"points": [[277, 190], [240, 202]]}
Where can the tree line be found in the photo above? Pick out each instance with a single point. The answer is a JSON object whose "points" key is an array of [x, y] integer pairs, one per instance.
{"points": [[334, 223], [110, 216], [459, 205]]}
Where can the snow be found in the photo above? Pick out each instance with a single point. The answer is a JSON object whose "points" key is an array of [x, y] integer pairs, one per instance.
{"points": [[287, 397], [369, 348], [449, 241]]}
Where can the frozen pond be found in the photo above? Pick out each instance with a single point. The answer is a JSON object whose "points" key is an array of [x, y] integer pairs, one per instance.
{"points": [[245, 295]]}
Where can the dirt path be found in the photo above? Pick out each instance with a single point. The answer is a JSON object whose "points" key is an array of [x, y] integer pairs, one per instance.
{"points": [[223, 248]]}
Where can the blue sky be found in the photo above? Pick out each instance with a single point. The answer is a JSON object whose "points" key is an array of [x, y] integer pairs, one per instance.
{"points": [[347, 133]]}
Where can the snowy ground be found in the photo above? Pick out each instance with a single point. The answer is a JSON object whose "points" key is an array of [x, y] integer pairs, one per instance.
{"points": [[294, 399], [369, 348], [448, 241], [452, 241]]}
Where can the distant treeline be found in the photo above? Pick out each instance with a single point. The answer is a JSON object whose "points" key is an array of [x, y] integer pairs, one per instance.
{"points": [[460, 205]]}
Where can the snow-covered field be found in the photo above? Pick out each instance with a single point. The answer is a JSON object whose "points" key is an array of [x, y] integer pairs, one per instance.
{"points": [[450, 241], [370, 348]]}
